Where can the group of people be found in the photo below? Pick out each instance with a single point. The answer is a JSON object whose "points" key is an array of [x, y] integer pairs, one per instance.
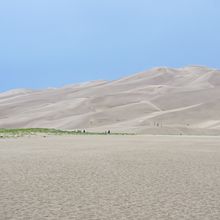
{"points": [[84, 131]]}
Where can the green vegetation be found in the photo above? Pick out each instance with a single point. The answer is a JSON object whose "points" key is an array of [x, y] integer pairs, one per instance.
{"points": [[18, 132]]}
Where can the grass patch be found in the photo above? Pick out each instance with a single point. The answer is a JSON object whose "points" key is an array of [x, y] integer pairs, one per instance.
{"points": [[18, 132]]}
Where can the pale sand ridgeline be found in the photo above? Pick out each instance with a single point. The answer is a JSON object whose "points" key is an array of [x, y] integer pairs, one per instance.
{"points": [[158, 101], [110, 178]]}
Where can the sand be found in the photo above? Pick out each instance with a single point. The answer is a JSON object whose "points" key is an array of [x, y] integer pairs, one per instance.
{"points": [[110, 177], [182, 100]]}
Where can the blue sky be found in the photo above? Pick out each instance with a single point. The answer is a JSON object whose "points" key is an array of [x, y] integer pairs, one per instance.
{"points": [[50, 43]]}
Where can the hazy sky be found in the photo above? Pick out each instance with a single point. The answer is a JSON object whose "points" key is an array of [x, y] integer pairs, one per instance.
{"points": [[46, 43]]}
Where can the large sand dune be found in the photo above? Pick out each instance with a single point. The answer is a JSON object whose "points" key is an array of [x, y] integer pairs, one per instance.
{"points": [[161, 100], [110, 178]]}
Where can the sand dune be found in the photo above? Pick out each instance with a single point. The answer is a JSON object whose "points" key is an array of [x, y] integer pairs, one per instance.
{"points": [[162, 100]]}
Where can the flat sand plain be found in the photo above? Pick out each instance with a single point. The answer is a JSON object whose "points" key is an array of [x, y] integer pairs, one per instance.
{"points": [[110, 177]]}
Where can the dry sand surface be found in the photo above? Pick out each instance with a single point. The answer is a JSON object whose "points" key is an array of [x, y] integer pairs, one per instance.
{"points": [[157, 101], [110, 177]]}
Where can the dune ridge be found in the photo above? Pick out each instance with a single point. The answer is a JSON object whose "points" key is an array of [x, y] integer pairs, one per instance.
{"points": [[157, 101]]}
